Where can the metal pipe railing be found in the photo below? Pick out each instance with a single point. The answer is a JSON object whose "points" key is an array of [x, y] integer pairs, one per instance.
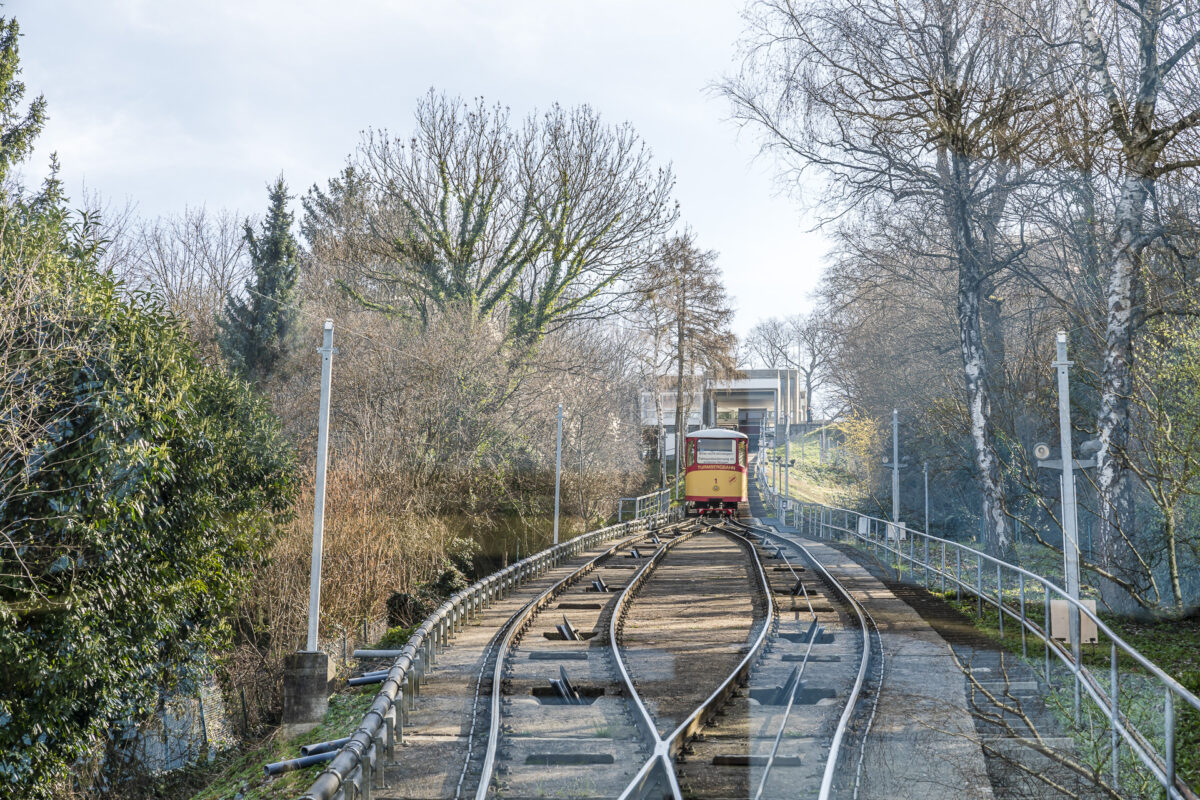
{"points": [[646, 505], [972, 571]]}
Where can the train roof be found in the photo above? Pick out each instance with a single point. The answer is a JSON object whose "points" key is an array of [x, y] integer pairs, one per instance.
{"points": [[716, 433]]}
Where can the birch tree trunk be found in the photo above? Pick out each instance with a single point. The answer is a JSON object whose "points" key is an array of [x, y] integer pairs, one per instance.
{"points": [[1113, 417], [997, 538], [1144, 59]]}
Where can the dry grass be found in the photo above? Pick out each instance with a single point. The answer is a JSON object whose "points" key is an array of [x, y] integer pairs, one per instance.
{"points": [[374, 544]]}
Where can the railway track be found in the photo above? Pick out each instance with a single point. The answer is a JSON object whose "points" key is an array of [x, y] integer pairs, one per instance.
{"points": [[823, 727], [701, 660], [556, 707]]}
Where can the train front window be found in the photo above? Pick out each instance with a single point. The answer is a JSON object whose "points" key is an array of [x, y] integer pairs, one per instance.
{"points": [[716, 451]]}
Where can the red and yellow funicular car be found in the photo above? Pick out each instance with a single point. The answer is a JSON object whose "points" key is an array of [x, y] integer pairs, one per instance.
{"points": [[714, 471]]}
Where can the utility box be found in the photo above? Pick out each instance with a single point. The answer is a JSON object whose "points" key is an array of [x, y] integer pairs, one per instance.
{"points": [[1060, 622], [896, 532]]}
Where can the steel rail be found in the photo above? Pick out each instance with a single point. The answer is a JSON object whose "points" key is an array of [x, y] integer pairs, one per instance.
{"points": [[791, 701], [516, 624], [355, 761], [840, 731], [665, 749]]}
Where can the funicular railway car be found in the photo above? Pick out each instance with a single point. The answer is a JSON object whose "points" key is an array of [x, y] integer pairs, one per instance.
{"points": [[715, 471]]}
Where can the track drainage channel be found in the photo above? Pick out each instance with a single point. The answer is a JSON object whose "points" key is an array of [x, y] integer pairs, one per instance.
{"points": [[549, 696], [568, 759], [755, 761], [557, 655]]}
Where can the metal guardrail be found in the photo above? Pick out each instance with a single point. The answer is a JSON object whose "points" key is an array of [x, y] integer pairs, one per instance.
{"points": [[354, 768], [1007, 587]]}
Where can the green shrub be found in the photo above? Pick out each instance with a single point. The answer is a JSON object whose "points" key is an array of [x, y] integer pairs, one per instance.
{"points": [[137, 489]]}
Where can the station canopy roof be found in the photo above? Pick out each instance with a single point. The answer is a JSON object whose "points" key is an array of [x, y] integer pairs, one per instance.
{"points": [[744, 384], [717, 433]]}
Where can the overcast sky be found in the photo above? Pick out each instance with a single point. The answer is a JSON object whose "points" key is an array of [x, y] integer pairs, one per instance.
{"points": [[173, 103]]}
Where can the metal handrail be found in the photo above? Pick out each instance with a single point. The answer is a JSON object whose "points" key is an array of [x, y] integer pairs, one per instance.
{"points": [[1161, 766], [646, 505], [355, 761]]}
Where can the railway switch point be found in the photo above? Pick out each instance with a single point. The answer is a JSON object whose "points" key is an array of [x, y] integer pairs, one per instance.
{"points": [[568, 631], [563, 686]]}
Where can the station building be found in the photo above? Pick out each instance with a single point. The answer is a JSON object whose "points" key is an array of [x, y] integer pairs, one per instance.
{"points": [[751, 403]]}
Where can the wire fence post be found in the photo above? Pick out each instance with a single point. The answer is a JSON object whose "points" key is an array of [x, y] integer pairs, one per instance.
{"points": [[1021, 592], [943, 567], [1169, 738], [979, 584], [1114, 713], [1000, 597]]}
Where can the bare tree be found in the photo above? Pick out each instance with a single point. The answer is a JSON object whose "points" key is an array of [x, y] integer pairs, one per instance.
{"points": [[110, 230], [804, 342], [193, 261], [651, 321], [545, 223], [767, 342]]}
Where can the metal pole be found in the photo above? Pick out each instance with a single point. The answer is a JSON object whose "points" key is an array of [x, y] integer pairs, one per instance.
{"points": [[926, 470], [314, 581], [895, 466], [787, 455], [1070, 522], [787, 440], [558, 472], [775, 437]]}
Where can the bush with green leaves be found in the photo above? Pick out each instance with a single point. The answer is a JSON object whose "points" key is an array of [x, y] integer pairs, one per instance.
{"points": [[138, 487]]}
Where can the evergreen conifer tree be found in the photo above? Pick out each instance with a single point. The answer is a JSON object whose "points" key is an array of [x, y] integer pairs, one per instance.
{"points": [[256, 330], [18, 128]]}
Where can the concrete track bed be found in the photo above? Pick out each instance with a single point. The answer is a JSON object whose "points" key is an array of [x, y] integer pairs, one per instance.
{"points": [[690, 625]]}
